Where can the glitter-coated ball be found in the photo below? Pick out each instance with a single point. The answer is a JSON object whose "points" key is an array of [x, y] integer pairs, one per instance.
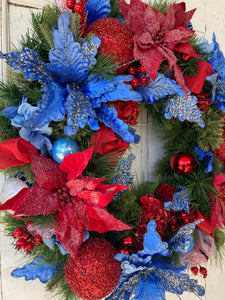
{"points": [[63, 147], [182, 163], [95, 273], [116, 39]]}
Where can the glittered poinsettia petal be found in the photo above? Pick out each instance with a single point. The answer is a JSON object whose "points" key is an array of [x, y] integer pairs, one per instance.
{"points": [[83, 182], [15, 152], [69, 230], [101, 221], [186, 48], [182, 17], [153, 19], [74, 164], [178, 35], [47, 173], [33, 201]]}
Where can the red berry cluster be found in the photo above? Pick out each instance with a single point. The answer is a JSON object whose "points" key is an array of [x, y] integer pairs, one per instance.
{"points": [[79, 8], [202, 271], [135, 82], [25, 240], [178, 219]]}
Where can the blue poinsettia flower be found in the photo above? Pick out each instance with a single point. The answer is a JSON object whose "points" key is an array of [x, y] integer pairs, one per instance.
{"points": [[37, 137], [69, 88], [217, 78], [178, 107], [36, 269], [145, 276], [160, 88], [97, 10]]}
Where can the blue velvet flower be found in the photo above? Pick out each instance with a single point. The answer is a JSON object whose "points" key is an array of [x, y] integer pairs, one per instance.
{"points": [[181, 200], [205, 156], [36, 269], [145, 276], [38, 136], [69, 88], [217, 78], [97, 10]]}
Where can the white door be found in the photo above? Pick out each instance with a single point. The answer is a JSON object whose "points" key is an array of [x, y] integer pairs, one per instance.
{"points": [[209, 18]]}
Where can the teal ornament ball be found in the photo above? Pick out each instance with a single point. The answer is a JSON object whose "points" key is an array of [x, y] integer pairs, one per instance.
{"points": [[186, 247], [63, 147]]}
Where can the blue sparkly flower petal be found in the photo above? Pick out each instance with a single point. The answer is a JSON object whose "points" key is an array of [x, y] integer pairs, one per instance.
{"points": [[69, 61], [97, 10], [29, 62], [160, 88], [50, 108], [34, 270], [108, 116], [179, 107], [79, 113], [100, 90]]}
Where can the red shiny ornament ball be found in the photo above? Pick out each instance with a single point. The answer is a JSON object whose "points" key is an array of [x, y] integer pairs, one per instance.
{"points": [[18, 232], [95, 273], [37, 240], [135, 82], [79, 8], [182, 163], [70, 4], [116, 40]]}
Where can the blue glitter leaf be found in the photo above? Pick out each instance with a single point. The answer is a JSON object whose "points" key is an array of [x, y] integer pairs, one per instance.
{"points": [[179, 107], [160, 88], [70, 62], [97, 10], [109, 117], [181, 200], [36, 269], [100, 90], [50, 108], [79, 113], [29, 62]]}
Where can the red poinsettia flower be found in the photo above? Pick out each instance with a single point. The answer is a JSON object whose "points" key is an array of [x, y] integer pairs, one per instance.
{"points": [[77, 201], [157, 36]]}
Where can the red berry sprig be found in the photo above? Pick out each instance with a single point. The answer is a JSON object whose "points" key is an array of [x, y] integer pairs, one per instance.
{"points": [[136, 81], [25, 241], [202, 271]]}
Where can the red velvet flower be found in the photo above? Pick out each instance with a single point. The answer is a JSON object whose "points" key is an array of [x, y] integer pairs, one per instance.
{"points": [[157, 36], [77, 201], [128, 111], [105, 142]]}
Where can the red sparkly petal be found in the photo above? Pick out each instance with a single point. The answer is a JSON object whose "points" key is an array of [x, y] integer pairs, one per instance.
{"points": [[47, 173], [101, 221], [124, 8], [15, 152], [168, 55], [74, 164], [151, 60], [180, 79], [69, 230], [32, 201], [77, 185], [178, 35], [182, 17], [153, 20], [186, 48], [195, 83]]}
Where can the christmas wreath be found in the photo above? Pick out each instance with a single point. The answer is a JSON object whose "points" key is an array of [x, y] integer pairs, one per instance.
{"points": [[67, 122]]}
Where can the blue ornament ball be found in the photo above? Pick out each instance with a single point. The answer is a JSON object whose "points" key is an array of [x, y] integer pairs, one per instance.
{"points": [[63, 147], [187, 247]]}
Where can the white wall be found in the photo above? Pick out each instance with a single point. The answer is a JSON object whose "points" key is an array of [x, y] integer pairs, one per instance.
{"points": [[209, 18]]}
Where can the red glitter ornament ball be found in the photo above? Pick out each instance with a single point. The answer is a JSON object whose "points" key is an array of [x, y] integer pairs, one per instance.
{"points": [[182, 163], [116, 39], [95, 273]]}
